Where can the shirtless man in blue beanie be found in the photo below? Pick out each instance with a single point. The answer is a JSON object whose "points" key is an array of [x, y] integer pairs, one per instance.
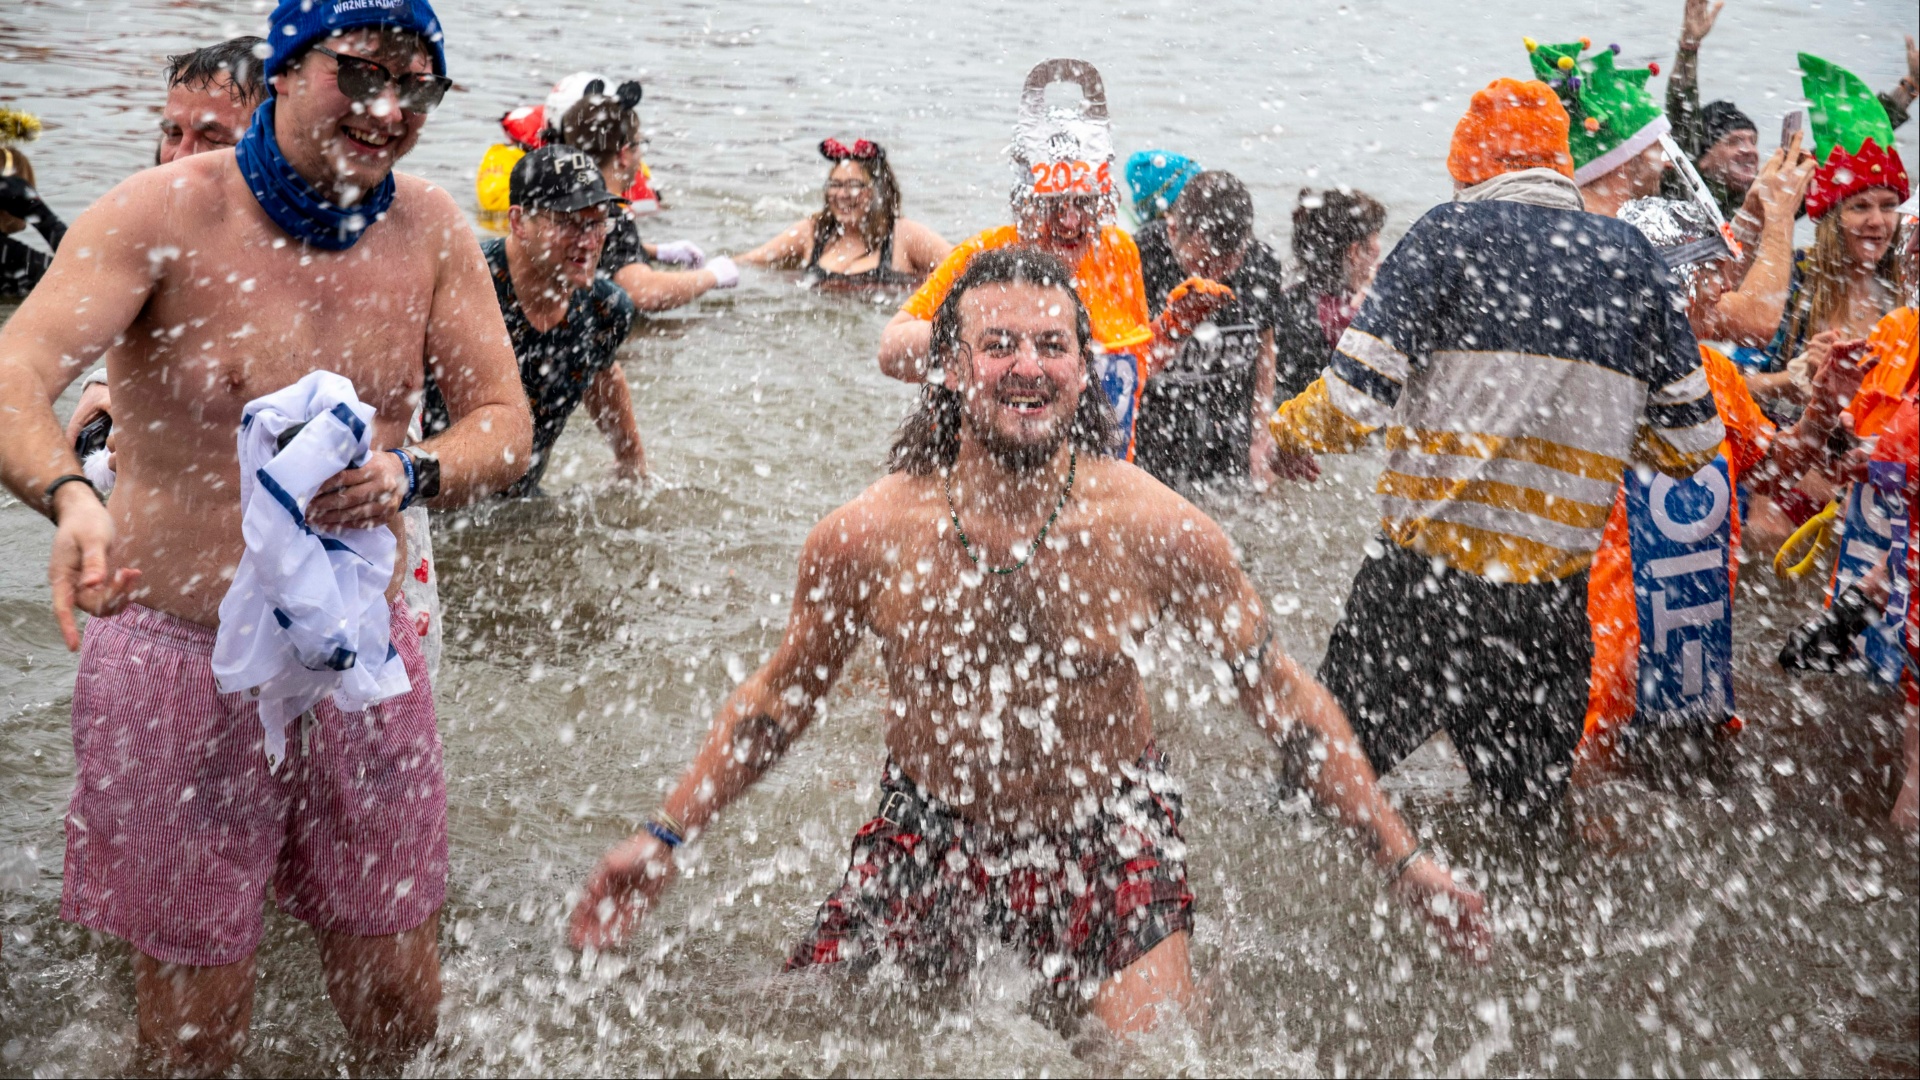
{"points": [[222, 277]]}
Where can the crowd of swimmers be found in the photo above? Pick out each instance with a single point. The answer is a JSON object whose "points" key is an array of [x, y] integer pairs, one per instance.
{"points": [[1571, 474]]}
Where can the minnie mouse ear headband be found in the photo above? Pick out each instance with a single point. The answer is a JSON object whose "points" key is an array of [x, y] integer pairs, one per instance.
{"points": [[628, 93], [861, 150]]}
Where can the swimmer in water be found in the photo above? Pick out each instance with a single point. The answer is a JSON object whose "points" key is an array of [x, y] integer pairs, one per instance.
{"points": [[858, 240], [607, 129], [375, 279], [566, 320], [1010, 568]]}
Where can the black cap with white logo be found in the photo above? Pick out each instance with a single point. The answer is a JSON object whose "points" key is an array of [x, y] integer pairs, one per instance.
{"points": [[557, 178]]}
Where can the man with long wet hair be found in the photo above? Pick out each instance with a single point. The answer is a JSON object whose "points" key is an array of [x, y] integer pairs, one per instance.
{"points": [[218, 279], [1010, 569]]}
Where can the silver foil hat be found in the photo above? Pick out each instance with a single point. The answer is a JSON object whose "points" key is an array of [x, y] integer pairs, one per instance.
{"points": [[1062, 150], [1684, 234]]}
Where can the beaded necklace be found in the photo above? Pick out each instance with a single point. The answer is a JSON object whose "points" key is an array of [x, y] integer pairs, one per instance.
{"points": [[1073, 463]]}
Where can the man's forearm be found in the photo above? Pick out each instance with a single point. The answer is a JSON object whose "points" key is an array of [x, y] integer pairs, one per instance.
{"points": [[746, 740], [905, 346], [487, 450], [35, 451], [1306, 723], [1683, 98], [662, 290]]}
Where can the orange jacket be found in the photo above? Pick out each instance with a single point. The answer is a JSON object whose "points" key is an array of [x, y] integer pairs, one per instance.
{"points": [[1612, 694], [1108, 281]]}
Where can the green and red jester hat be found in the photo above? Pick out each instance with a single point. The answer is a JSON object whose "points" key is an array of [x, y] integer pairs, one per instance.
{"points": [[1851, 136]]}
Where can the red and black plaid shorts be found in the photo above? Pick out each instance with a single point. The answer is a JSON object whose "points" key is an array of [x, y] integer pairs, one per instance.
{"points": [[1082, 904]]}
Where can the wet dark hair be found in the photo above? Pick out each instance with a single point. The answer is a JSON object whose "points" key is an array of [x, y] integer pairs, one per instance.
{"points": [[1325, 225], [1216, 208], [882, 211], [929, 440], [600, 127], [234, 60]]}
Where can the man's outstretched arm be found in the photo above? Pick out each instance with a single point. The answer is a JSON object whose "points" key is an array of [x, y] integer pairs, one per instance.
{"points": [[1306, 724], [753, 729]]}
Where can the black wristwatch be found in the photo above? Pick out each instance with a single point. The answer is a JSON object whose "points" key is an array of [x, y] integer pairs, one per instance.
{"points": [[426, 473]]}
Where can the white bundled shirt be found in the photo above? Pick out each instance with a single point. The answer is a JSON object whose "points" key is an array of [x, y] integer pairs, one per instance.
{"points": [[306, 616]]}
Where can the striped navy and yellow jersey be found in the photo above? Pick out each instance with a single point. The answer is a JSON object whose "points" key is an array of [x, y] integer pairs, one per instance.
{"points": [[1518, 357]]}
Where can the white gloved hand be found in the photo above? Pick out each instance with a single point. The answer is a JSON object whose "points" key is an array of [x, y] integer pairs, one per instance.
{"points": [[680, 253], [725, 274]]}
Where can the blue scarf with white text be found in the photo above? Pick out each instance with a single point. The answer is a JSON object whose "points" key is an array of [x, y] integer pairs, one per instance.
{"points": [[291, 202]]}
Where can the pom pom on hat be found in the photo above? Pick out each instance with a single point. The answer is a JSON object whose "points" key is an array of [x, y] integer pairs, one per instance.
{"points": [[1565, 63]]}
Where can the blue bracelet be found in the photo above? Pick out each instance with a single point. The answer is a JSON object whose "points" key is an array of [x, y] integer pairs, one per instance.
{"points": [[665, 835], [413, 485]]}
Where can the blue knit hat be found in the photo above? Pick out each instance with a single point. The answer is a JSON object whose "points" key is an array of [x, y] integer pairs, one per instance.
{"points": [[299, 23], [1157, 178]]}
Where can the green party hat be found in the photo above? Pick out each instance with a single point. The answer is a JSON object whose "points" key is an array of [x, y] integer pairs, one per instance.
{"points": [[1613, 116], [1852, 138], [1843, 111]]}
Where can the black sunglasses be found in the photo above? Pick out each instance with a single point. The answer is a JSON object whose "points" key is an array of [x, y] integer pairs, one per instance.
{"points": [[363, 80]]}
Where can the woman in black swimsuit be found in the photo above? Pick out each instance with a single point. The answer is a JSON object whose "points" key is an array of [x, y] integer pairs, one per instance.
{"points": [[857, 240]]}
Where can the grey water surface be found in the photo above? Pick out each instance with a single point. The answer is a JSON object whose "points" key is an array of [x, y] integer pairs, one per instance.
{"points": [[1767, 926]]}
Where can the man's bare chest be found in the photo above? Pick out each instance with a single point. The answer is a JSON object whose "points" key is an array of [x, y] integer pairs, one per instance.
{"points": [[1064, 619], [228, 323]]}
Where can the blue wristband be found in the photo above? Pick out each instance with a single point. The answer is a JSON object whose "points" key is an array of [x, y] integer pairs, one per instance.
{"points": [[413, 485], [665, 835]]}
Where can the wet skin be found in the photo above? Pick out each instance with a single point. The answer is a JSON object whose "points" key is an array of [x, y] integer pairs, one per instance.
{"points": [[1013, 697], [200, 303], [201, 117]]}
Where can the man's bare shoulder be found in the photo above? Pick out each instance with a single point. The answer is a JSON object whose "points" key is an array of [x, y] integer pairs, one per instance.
{"points": [[1147, 514], [425, 204], [149, 202], [877, 516]]}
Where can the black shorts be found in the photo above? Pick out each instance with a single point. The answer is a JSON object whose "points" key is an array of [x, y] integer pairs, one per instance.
{"points": [[1503, 668]]}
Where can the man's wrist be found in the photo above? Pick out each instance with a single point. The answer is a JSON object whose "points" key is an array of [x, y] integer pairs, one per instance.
{"points": [[65, 489]]}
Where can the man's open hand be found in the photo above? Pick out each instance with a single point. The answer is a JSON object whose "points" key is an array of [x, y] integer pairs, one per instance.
{"points": [[625, 884], [80, 571], [1458, 913]]}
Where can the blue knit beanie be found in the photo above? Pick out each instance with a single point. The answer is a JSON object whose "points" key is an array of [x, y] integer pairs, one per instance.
{"points": [[1157, 178], [299, 23]]}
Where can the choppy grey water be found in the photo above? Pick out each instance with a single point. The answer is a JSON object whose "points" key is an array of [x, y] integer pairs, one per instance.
{"points": [[1767, 928]]}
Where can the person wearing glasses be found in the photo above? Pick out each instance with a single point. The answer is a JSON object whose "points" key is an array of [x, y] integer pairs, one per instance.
{"points": [[566, 320], [857, 240], [606, 127], [224, 277]]}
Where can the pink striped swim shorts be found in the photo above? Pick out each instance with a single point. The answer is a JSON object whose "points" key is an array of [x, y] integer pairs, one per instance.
{"points": [[176, 828]]}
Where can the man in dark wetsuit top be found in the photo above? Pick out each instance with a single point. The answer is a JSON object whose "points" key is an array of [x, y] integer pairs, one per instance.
{"points": [[1203, 417], [1009, 568], [566, 321]]}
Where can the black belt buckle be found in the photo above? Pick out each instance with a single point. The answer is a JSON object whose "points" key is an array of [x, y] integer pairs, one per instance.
{"points": [[902, 809]]}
